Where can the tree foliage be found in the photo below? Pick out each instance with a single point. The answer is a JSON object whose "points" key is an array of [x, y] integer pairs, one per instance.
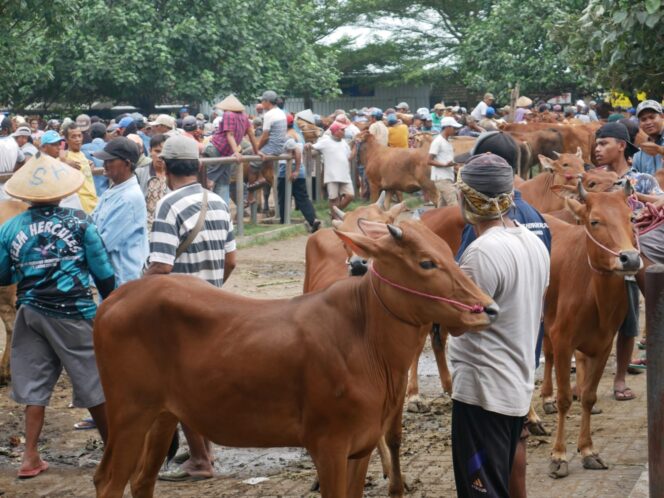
{"points": [[514, 44], [151, 51], [618, 44]]}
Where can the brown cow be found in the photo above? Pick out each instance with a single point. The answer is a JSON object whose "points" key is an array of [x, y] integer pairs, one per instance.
{"points": [[393, 169], [536, 143], [8, 209], [574, 136], [563, 171], [329, 367], [585, 305]]}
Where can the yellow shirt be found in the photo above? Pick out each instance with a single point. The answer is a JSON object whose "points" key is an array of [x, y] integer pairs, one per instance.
{"points": [[87, 193], [397, 136]]}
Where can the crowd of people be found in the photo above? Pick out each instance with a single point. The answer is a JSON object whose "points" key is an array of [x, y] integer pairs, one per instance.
{"points": [[149, 214]]}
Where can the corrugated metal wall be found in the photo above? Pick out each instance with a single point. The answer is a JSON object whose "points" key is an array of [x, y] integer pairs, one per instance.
{"points": [[384, 97]]}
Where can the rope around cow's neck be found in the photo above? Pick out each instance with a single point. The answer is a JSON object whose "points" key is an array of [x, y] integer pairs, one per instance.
{"points": [[475, 308], [610, 251]]}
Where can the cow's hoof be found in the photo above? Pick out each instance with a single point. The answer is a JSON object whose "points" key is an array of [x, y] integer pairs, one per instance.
{"points": [[594, 462], [315, 486], [536, 428], [416, 405], [550, 407], [558, 469]]}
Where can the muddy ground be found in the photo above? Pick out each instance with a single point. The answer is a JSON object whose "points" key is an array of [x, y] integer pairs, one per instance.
{"points": [[276, 271]]}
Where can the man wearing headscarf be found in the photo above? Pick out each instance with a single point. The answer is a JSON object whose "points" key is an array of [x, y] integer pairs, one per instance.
{"points": [[493, 371]]}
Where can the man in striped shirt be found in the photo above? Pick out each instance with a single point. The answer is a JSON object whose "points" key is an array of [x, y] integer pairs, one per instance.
{"points": [[210, 256]]}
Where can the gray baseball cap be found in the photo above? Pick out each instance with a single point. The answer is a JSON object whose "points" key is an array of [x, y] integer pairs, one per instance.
{"points": [[270, 96], [652, 105], [180, 147]]}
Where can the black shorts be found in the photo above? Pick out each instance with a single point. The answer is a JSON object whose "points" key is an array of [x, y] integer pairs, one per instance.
{"points": [[483, 446]]}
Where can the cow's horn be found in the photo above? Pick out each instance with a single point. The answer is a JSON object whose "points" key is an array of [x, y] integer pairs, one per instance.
{"points": [[582, 191], [381, 201], [338, 213], [627, 187], [395, 231], [556, 153]]}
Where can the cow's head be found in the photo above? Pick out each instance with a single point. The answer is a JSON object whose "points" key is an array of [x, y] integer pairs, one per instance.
{"points": [[594, 180], [610, 235], [354, 221], [565, 168], [414, 276]]}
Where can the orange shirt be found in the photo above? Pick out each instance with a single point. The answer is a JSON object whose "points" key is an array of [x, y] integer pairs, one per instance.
{"points": [[397, 136]]}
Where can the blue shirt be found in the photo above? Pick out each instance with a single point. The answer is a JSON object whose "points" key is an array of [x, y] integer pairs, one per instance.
{"points": [[645, 163], [521, 212], [121, 217], [51, 251], [97, 144], [146, 142]]}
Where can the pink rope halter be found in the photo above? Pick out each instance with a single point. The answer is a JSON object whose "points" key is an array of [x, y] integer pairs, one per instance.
{"points": [[475, 308], [610, 251]]}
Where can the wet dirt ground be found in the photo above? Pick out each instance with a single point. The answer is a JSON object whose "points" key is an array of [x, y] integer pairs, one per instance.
{"points": [[276, 270]]}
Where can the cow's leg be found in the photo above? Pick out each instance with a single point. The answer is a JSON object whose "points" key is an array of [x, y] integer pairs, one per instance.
{"points": [[384, 454], [588, 391], [546, 391], [393, 438], [438, 342], [331, 461], [126, 434], [413, 402], [563, 359], [581, 369], [5, 374], [155, 448], [357, 473], [374, 191]]}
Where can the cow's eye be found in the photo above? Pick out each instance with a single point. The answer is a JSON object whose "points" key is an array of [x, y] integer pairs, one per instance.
{"points": [[594, 223], [427, 265], [591, 185]]}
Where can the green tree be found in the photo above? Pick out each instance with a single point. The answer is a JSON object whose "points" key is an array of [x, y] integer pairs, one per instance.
{"points": [[147, 52], [504, 48], [618, 44]]}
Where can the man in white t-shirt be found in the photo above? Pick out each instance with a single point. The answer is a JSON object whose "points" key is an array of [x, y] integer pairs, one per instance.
{"points": [[10, 153], [480, 109], [336, 160], [493, 371], [441, 159], [271, 141], [377, 128]]}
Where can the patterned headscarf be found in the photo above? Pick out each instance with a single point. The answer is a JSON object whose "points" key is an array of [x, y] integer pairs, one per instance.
{"points": [[486, 183]]}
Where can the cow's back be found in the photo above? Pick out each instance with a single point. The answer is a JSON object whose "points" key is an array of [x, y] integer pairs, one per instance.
{"points": [[325, 258]]}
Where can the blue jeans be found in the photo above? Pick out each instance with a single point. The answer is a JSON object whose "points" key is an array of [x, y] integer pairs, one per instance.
{"points": [[223, 190]]}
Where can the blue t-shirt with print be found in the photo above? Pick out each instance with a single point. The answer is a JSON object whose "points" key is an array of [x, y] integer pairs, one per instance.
{"points": [[51, 252]]}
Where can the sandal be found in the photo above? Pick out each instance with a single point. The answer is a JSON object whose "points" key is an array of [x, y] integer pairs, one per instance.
{"points": [[641, 344], [29, 473], [180, 475], [625, 395], [85, 425], [637, 366]]}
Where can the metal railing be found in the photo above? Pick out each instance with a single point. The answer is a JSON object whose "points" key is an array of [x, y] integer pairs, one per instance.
{"points": [[313, 167]]}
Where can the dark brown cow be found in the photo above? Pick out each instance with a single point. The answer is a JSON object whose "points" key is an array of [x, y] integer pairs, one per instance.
{"points": [[574, 136], [585, 305], [328, 368], [8, 209], [536, 143]]}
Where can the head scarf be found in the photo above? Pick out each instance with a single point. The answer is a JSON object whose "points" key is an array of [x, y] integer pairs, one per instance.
{"points": [[486, 183]]}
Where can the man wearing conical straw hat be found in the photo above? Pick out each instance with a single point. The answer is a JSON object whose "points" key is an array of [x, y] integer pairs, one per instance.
{"points": [[51, 252]]}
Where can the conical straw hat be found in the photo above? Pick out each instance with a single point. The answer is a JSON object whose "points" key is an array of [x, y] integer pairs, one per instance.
{"points": [[44, 179], [230, 103], [523, 101]]}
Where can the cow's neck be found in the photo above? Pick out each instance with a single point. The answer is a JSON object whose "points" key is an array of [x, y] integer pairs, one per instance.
{"points": [[392, 340]]}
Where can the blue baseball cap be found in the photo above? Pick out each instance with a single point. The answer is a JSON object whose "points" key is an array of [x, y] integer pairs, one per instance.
{"points": [[126, 121], [377, 113], [392, 118], [51, 137], [490, 111]]}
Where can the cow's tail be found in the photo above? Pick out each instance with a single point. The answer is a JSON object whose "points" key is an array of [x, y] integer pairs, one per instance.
{"points": [[173, 448]]}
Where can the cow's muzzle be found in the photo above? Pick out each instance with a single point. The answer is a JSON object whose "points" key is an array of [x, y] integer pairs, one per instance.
{"points": [[630, 261], [357, 266]]}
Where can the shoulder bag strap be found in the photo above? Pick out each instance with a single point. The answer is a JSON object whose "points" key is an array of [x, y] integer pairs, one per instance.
{"points": [[197, 228]]}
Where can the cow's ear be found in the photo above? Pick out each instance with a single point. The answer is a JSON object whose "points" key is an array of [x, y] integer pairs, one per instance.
{"points": [[396, 210], [546, 162], [576, 208], [579, 153], [358, 243]]}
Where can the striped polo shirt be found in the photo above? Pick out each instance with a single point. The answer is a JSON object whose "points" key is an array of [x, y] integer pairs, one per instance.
{"points": [[175, 217]]}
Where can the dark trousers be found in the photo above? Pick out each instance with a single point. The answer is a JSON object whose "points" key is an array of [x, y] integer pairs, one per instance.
{"points": [[483, 446], [302, 201]]}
